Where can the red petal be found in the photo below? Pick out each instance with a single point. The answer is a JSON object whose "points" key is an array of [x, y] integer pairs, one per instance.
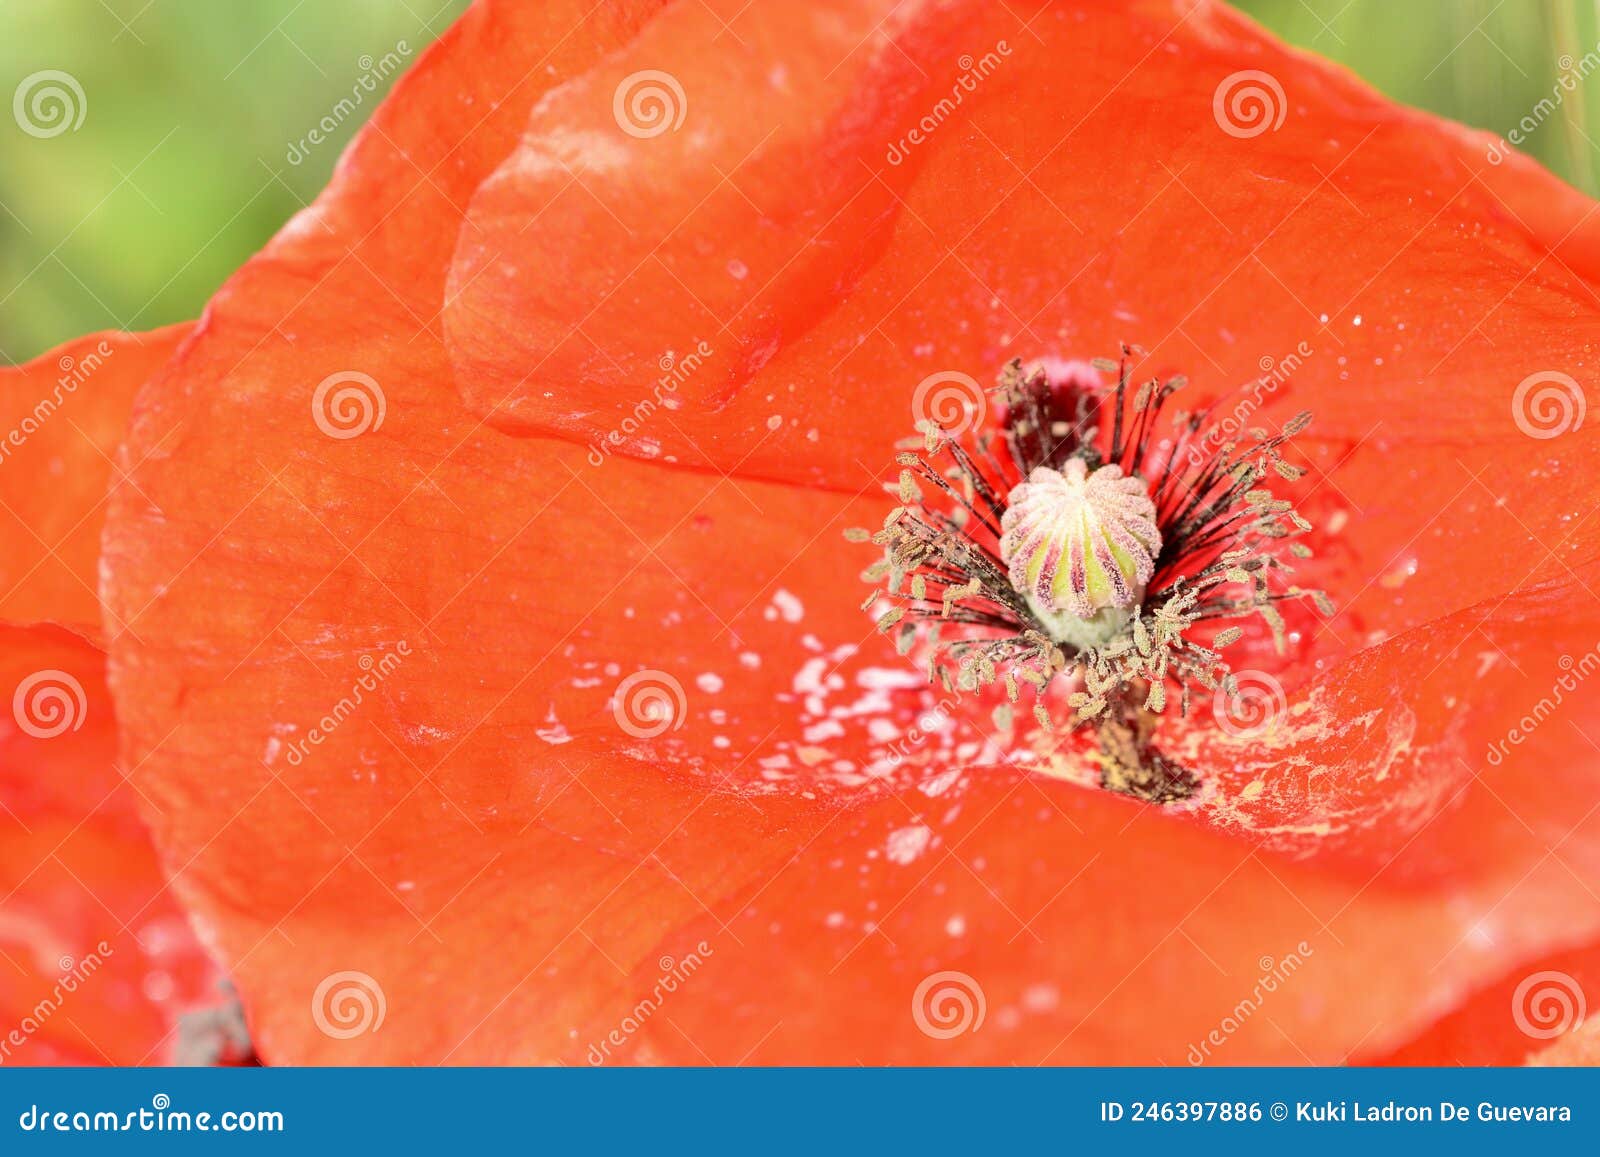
{"points": [[703, 217], [1541, 1012], [97, 962], [1374, 754], [61, 420], [1046, 216], [477, 835]]}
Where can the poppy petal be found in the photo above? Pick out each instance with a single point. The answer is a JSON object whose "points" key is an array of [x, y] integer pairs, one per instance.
{"points": [[1541, 1012], [97, 962], [1372, 754], [713, 211], [1085, 207], [63, 415]]}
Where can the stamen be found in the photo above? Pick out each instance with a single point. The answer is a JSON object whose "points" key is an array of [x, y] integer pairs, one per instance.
{"points": [[1054, 547]]}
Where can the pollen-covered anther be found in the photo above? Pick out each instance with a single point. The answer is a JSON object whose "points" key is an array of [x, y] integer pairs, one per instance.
{"points": [[1080, 545]]}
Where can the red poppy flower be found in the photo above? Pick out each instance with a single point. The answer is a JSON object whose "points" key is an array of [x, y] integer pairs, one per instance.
{"points": [[486, 646]]}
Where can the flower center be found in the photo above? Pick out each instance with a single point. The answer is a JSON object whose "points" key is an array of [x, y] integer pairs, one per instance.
{"points": [[1073, 541], [1080, 545]]}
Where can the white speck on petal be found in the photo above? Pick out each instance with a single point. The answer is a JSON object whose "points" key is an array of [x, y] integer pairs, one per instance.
{"points": [[906, 844], [788, 606], [555, 732], [1040, 997]]}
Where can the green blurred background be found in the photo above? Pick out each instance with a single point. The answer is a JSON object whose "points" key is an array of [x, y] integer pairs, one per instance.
{"points": [[182, 166]]}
